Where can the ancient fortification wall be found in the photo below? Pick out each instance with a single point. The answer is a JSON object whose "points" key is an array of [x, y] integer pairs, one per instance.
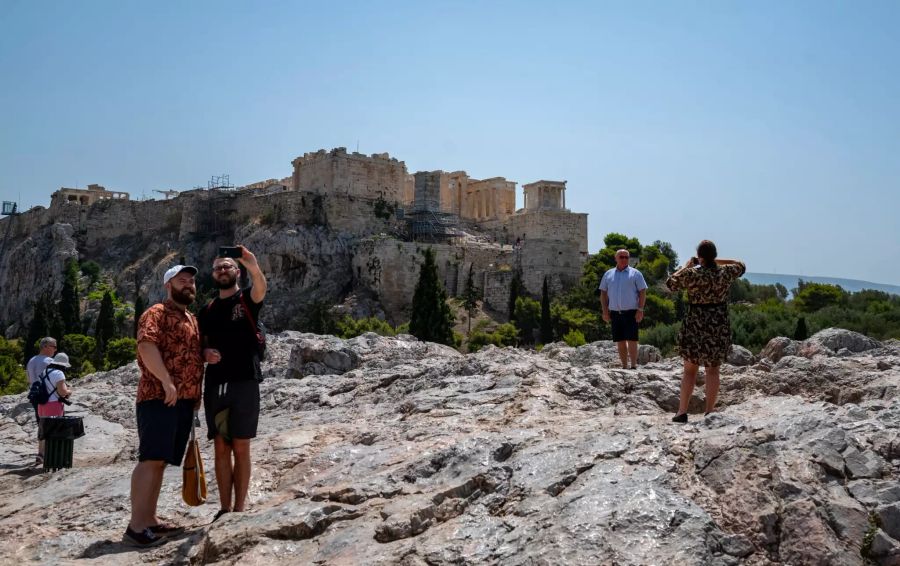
{"points": [[352, 174], [557, 226]]}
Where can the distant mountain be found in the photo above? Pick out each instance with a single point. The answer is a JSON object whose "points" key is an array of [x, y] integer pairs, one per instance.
{"points": [[791, 281]]}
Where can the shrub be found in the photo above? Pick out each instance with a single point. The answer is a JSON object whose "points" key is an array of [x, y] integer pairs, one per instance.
{"points": [[663, 336], [574, 338], [120, 352], [348, 327]]}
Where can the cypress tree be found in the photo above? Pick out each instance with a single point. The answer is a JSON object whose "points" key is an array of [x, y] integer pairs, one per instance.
{"points": [[800, 331], [515, 289], [36, 330], [106, 327], [139, 308], [431, 320], [546, 323], [69, 309], [470, 297]]}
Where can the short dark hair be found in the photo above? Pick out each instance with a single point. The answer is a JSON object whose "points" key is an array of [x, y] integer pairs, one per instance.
{"points": [[706, 251]]}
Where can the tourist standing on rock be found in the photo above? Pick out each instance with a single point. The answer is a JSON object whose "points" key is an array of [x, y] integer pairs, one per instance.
{"points": [[622, 295], [231, 400], [705, 335], [34, 368], [169, 357]]}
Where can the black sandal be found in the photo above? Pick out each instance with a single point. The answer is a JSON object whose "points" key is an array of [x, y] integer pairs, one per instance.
{"points": [[682, 418], [220, 513]]}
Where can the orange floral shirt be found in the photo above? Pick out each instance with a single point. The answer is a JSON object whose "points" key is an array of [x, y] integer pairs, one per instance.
{"points": [[176, 334]]}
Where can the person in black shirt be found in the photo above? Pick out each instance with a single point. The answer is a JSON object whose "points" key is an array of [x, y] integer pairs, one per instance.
{"points": [[231, 388]]}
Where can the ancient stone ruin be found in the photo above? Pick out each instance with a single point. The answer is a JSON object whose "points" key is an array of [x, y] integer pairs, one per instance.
{"points": [[343, 227]]}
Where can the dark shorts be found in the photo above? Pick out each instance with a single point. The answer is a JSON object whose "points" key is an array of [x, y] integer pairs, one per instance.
{"points": [[624, 326], [164, 431], [232, 409]]}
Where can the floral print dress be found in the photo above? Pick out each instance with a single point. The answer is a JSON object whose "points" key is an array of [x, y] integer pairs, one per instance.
{"points": [[705, 335]]}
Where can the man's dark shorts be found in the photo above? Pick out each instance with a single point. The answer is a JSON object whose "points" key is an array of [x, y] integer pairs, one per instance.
{"points": [[624, 326], [241, 401], [164, 431]]}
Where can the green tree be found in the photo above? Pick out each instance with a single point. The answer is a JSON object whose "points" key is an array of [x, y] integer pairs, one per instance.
{"points": [[515, 289], [811, 297], [36, 330], [139, 308], [105, 328], [528, 318], [616, 241], [566, 319], [431, 319], [12, 375], [470, 298], [92, 270], [800, 331], [665, 248], [119, 352], [80, 348], [653, 265], [546, 319], [69, 309], [658, 310], [319, 319]]}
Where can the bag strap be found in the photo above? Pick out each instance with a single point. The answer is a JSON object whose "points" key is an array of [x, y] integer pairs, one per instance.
{"points": [[46, 375], [248, 313]]}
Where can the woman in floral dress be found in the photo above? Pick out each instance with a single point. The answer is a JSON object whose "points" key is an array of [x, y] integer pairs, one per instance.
{"points": [[705, 335]]}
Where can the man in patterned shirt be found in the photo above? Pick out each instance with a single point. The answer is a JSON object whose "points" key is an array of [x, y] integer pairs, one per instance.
{"points": [[169, 357]]}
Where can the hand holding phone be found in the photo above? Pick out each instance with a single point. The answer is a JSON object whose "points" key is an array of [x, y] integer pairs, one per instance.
{"points": [[230, 251]]}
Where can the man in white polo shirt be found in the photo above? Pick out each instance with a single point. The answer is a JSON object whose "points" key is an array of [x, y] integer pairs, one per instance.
{"points": [[622, 295]]}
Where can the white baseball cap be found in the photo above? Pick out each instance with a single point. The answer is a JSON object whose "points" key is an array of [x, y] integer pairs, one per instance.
{"points": [[173, 271]]}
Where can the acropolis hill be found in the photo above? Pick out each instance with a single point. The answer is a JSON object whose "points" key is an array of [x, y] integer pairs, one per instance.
{"points": [[344, 228]]}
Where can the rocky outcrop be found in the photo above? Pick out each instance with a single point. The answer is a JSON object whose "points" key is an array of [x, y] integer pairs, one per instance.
{"points": [[392, 451]]}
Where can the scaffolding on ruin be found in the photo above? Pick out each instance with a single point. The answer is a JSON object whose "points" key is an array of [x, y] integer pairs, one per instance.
{"points": [[216, 218], [432, 226], [219, 183]]}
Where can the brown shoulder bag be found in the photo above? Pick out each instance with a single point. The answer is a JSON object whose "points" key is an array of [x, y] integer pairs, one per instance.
{"points": [[193, 488]]}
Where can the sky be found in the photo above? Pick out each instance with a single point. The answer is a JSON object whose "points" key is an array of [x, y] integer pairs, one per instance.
{"points": [[771, 128]]}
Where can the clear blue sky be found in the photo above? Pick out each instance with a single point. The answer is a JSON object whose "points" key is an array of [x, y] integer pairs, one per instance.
{"points": [[772, 128]]}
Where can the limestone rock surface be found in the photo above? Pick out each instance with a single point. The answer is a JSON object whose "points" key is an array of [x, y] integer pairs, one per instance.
{"points": [[394, 451]]}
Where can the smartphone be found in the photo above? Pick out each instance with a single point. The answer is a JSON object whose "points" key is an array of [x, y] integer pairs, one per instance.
{"points": [[230, 251]]}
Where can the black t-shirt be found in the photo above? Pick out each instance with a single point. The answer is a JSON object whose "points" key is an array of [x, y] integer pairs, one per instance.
{"points": [[225, 327]]}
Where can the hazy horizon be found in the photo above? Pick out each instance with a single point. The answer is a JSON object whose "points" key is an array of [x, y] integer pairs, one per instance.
{"points": [[772, 129]]}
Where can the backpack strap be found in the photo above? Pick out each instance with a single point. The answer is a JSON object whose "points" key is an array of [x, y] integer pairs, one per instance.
{"points": [[46, 375]]}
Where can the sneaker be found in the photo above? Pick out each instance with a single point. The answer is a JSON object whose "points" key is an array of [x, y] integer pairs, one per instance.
{"points": [[682, 418], [166, 530], [142, 539]]}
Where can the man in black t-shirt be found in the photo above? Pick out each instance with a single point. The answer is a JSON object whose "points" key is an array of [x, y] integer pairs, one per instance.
{"points": [[231, 388]]}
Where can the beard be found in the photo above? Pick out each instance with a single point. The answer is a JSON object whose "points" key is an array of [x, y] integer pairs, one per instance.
{"points": [[183, 296], [225, 280]]}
